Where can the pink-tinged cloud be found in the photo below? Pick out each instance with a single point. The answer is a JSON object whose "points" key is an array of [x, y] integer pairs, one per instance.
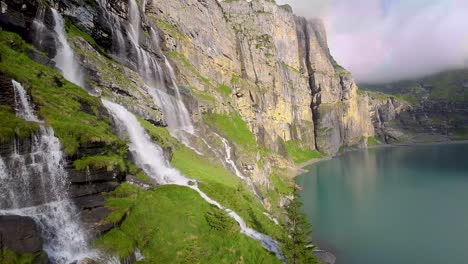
{"points": [[387, 40]]}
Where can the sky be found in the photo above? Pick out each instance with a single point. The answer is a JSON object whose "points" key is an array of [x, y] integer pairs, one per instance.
{"points": [[388, 40]]}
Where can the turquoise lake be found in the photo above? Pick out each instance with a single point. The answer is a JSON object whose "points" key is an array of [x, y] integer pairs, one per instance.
{"points": [[395, 205]]}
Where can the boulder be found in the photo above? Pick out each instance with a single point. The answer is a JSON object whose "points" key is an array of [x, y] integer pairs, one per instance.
{"points": [[20, 234]]}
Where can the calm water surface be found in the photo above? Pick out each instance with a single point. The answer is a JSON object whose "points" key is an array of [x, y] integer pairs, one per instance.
{"points": [[399, 205]]}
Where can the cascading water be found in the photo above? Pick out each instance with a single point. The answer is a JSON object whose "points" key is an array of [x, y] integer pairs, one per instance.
{"points": [[35, 185], [228, 159], [65, 58], [150, 158], [176, 114]]}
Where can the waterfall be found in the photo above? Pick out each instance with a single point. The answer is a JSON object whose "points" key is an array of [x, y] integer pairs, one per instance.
{"points": [[35, 185], [150, 157], [228, 159], [65, 58], [170, 101]]}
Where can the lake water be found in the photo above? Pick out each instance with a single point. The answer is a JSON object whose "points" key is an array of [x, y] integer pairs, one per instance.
{"points": [[405, 205]]}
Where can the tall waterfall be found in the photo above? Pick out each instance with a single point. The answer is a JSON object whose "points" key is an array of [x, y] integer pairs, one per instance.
{"points": [[35, 185], [150, 69], [65, 58], [150, 158]]}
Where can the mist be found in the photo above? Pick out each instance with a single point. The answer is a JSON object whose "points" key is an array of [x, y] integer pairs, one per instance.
{"points": [[388, 40]]}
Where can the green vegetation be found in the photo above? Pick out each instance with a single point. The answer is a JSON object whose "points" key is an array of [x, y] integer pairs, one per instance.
{"points": [[110, 163], [234, 129], [372, 141], [160, 135], [8, 256], [296, 250], [445, 86], [224, 187], [461, 133], [73, 31], [76, 117], [299, 154], [189, 66], [201, 234], [291, 68], [164, 25], [224, 90], [12, 126]]}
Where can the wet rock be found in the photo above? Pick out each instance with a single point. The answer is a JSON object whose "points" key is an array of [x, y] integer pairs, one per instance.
{"points": [[89, 189], [95, 175], [20, 234], [90, 201], [93, 219], [137, 182]]}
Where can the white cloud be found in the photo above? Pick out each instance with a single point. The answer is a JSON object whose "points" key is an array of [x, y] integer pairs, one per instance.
{"points": [[383, 40]]}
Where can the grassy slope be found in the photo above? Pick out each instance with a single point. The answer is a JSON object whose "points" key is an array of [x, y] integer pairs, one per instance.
{"points": [[78, 119], [168, 223], [446, 86], [175, 224], [12, 126], [300, 154], [172, 224]]}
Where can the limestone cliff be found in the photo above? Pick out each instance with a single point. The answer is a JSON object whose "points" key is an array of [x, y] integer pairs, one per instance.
{"points": [[260, 85], [282, 78]]}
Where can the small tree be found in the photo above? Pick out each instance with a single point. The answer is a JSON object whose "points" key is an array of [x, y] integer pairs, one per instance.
{"points": [[296, 248]]}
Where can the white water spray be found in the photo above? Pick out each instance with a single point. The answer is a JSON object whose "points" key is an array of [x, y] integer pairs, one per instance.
{"points": [[150, 158], [65, 57], [170, 101], [35, 185]]}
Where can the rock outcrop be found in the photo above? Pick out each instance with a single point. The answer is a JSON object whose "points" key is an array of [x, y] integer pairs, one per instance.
{"points": [[253, 63], [20, 235], [283, 80], [398, 121]]}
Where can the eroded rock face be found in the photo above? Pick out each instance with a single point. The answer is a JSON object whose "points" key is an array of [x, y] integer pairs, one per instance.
{"points": [[398, 121], [284, 82]]}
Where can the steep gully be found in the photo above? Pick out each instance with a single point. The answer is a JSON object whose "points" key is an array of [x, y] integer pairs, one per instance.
{"points": [[55, 209]]}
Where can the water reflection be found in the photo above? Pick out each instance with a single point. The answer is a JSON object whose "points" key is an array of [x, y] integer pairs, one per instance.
{"points": [[392, 205]]}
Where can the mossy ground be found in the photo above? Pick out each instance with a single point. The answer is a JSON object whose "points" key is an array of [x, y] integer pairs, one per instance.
{"points": [[12, 126], [8, 256], [299, 154], [372, 141], [78, 119], [234, 129]]}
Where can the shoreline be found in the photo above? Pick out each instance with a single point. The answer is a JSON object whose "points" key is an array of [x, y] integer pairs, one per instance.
{"points": [[328, 256], [300, 168]]}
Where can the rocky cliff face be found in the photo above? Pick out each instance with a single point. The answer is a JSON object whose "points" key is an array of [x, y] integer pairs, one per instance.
{"points": [[249, 72], [282, 78], [397, 120]]}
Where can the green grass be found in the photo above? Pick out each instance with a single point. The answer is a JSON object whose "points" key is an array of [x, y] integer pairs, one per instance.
{"points": [[73, 31], [108, 162], [225, 90], [173, 224], [200, 168], [78, 119], [217, 182], [372, 141], [160, 135], [8, 256], [12, 126], [189, 66], [461, 134], [300, 154], [234, 129]]}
